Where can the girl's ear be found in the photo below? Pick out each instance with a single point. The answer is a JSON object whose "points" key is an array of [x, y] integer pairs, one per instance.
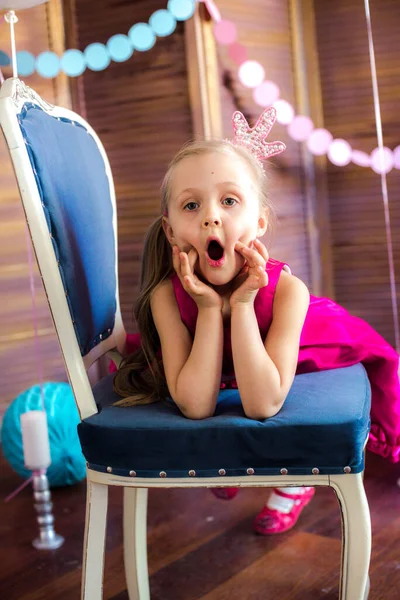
{"points": [[168, 231], [262, 224]]}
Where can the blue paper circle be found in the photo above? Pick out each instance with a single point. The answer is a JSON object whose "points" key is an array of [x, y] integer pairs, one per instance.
{"points": [[97, 56], [68, 464], [4, 59], [25, 63], [48, 64], [162, 22], [119, 47], [73, 63], [142, 37], [181, 9]]}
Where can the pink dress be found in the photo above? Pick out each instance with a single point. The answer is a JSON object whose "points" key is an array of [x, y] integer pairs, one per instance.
{"points": [[331, 338]]}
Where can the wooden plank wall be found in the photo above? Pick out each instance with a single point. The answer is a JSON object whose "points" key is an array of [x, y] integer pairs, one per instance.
{"points": [[361, 272], [18, 355]]}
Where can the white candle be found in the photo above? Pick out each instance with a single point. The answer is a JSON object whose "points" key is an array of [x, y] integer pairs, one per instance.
{"points": [[35, 439]]}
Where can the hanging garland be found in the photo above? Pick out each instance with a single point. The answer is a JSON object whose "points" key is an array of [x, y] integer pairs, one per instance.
{"points": [[299, 127], [162, 23], [97, 57]]}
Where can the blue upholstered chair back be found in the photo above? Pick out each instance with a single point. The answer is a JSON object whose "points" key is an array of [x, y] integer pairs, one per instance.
{"points": [[68, 195], [75, 194]]}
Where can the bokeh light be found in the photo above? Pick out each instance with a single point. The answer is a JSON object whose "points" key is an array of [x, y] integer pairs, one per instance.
{"points": [[339, 152], [162, 22], [97, 57], [266, 93], [73, 63], [300, 128], [396, 157], [181, 9], [284, 112], [360, 158], [251, 73], [119, 47], [48, 64], [238, 53], [225, 32], [142, 37], [319, 141], [382, 160]]}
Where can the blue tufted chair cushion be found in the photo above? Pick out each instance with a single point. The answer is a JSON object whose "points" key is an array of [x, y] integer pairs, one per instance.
{"points": [[323, 424], [75, 193]]}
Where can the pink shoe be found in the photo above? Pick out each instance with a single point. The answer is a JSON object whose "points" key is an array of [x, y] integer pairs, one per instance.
{"points": [[270, 522], [224, 493]]}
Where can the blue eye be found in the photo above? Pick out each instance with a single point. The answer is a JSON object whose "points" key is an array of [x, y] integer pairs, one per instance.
{"points": [[191, 206], [230, 201]]}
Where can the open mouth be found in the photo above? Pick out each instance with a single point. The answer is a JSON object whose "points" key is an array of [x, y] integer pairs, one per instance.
{"points": [[215, 251]]}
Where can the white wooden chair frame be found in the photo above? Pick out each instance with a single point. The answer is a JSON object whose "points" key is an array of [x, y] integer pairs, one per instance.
{"points": [[349, 488]]}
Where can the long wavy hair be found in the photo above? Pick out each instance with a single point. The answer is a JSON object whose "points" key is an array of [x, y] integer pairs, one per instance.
{"points": [[140, 378]]}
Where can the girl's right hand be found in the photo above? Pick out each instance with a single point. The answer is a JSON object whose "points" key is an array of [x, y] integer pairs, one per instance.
{"points": [[202, 294]]}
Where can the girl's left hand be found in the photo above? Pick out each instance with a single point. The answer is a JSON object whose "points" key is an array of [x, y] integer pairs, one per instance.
{"points": [[253, 271]]}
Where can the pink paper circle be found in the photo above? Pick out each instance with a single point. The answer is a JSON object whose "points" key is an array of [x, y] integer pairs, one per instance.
{"points": [[339, 152], [319, 141], [251, 73], [300, 128], [396, 157], [266, 93], [284, 112], [225, 32], [360, 158], [238, 53], [382, 160]]}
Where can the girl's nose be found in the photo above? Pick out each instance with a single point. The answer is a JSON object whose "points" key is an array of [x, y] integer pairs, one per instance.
{"points": [[212, 221]]}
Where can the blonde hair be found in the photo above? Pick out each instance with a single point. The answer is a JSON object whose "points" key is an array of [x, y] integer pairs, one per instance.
{"points": [[140, 378]]}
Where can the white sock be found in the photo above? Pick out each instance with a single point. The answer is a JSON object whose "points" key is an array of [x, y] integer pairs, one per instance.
{"points": [[284, 505]]}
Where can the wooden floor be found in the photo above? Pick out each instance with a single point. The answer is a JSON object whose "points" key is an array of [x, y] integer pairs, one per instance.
{"points": [[201, 548]]}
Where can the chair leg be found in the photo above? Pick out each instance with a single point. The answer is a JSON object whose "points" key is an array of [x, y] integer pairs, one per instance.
{"points": [[356, 545], [94, 542], [135, 543]]}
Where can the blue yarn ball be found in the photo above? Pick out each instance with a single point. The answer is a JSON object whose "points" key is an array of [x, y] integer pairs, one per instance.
{"points": [[68, 464]]}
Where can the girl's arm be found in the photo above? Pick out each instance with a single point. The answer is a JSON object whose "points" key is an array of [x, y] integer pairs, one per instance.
{"points": [[192, 367], [265, 371]]}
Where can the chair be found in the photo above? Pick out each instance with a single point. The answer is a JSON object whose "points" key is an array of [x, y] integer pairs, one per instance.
{"points": [[317, 439]]}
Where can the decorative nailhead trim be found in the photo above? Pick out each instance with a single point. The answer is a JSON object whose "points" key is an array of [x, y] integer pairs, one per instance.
{"points": [[109, 469], [315, 471], [347, 469], [101, 336], [192, 473], [222, 472], [284, 471], [132, 473], [163, 474], [250, 471]]}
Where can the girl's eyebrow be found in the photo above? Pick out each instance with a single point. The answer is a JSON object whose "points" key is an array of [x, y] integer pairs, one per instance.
{"points": [[198, 191]]}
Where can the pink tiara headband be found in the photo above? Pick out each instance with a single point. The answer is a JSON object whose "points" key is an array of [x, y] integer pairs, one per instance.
{"points": [[254, 138]]}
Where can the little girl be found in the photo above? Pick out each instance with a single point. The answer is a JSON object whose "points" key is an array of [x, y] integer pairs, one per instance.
{"points": [[215, 311]]}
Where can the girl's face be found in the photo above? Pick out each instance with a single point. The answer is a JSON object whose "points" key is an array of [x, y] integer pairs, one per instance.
{"points": [[213, 204]]}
